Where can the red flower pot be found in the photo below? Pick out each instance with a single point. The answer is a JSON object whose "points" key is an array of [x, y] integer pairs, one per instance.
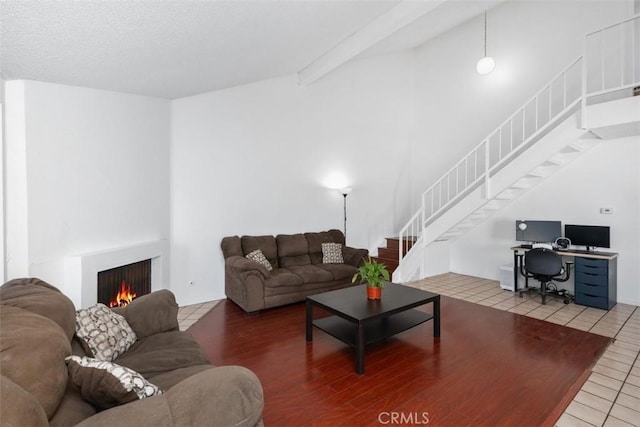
{"points": [[374, 293]]}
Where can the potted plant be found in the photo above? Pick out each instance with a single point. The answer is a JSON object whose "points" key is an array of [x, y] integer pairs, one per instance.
{"points": [[373, 274]]}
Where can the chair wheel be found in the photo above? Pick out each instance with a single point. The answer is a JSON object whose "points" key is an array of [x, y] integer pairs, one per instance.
{"points": [[567, 301]]}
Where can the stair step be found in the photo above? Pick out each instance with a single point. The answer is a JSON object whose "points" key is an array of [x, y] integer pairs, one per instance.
{"points": [[391, 264], [394, 242], [554, 161], [389, 253]]}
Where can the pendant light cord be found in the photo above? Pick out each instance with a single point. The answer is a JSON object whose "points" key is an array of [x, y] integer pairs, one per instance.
{"points": [[485, 33]]}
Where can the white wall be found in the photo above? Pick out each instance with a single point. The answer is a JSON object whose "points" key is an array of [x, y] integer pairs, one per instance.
{"points": [[2, 227], [253, 160], [92, 173], [606, 176], [531, 43]]}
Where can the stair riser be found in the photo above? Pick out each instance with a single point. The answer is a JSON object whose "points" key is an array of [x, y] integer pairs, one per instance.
{"points": [[393, 243], [390, 264]]}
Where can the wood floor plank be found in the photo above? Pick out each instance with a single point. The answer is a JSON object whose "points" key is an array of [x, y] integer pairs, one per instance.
{"points": [[490, 367]]}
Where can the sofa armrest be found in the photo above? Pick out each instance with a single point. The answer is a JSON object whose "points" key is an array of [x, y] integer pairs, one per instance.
{"points": [[354, 256], [222, 396], [243, 266], [152, 313], [244, 282]]}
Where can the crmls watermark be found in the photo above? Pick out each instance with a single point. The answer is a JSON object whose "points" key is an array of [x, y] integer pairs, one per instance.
{"points": [[403, 418]]}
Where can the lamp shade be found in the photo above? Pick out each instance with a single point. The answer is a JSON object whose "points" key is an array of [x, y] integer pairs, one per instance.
{"points": [[485, 65]]}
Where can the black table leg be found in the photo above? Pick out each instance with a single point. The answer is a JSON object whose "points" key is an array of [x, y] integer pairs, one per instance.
{"points": [[436, 317], [309, 322], [360, 349], [516, 265]]}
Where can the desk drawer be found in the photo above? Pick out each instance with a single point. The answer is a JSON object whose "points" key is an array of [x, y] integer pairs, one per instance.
{"points": [[592, 278], [592, 290], [592, 265], [592, 301]]}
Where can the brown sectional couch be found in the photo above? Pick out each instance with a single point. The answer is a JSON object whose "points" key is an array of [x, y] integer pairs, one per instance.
{"points": [[37, 326], [298, 270]]}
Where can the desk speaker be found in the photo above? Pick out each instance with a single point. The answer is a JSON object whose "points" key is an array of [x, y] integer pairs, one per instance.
{"points": [[563, 243]]}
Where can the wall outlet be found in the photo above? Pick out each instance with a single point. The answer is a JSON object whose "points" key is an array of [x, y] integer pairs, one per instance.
{"points": [[606, 210]]}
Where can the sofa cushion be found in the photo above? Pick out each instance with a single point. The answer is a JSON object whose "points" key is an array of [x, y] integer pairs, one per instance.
{"points": [[168, 379], [338, 236], [311, 273], [151, 314], [73, 409], [19, 407], [332, 253], [160, 353], [340, 271], [106, 384], [218, 397], [259, 257], [231, 246], [105, 333], [39, 297], [293, 250], [32, 355], [267, 244], [282, 277], [315, 241]]}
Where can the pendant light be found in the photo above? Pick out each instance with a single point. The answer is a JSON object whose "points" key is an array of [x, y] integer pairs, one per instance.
{"points": [[486, 64]]}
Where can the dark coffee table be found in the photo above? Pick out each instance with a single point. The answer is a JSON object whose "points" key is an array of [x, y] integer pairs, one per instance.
{"points": [[359, 321]]}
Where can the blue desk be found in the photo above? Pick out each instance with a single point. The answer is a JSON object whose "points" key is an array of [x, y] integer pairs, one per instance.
{"points": [[596, 275]]}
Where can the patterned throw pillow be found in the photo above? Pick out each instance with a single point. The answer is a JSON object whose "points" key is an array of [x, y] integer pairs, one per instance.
{"points": [[259, 257], [332, 253], [104, 333], [106, 384]]}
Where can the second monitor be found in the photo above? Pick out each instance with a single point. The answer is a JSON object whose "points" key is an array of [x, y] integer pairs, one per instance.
{"points": [[538, 231]]}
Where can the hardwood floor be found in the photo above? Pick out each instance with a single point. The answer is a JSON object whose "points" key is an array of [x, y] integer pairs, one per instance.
{"points": [[489, 367]]}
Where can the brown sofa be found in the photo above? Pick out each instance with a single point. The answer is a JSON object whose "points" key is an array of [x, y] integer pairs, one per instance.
{"points": [[298, 270], [37, 327]]}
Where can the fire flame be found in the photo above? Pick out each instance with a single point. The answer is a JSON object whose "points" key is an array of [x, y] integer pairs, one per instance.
{"points": [[124, 297]]}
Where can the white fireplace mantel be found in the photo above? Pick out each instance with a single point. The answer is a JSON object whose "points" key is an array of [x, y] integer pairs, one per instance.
{"points": [[81, 271]]}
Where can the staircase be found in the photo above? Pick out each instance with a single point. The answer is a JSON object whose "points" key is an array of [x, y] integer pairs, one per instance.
{"points": [[548, 132], [388, 255]]}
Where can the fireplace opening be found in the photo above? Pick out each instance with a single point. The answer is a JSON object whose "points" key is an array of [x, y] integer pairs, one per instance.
{"points": [[119, 286]]}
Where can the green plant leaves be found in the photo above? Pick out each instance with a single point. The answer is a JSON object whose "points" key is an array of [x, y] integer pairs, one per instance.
{"points": [[372, 273]]}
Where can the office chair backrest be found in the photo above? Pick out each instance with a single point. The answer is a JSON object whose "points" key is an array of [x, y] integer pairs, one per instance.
{"points": [[543, 262]]}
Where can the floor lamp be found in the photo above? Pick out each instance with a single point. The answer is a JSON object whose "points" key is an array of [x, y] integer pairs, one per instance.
{"points": [[345, 192]]}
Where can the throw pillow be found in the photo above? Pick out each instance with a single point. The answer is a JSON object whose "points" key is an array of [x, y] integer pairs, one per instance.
{"points": [[106, 384], [105, 334], [332, 253], [259, 257]]}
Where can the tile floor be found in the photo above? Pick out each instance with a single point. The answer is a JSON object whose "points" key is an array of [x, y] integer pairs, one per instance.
{"points": [[189, 314], [611, 395]]}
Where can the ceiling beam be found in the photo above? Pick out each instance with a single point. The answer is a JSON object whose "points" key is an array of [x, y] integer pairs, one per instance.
{"points": [[379, 29]]}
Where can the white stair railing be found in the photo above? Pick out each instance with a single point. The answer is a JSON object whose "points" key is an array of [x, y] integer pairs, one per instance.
{"points": [[612, 61], [611, 64], [496, 150]]}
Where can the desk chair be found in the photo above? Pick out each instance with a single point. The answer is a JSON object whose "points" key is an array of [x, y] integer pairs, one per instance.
{"points": [[545, 265]]}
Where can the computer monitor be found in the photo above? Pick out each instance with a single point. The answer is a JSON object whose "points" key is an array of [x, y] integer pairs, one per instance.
{"points": [[538, 231], [588, 235]]}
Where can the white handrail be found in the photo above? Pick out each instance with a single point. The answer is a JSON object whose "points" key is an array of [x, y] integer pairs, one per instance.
{"points": [[624, 21], [509, 119], [622, 70], [488, 166]]}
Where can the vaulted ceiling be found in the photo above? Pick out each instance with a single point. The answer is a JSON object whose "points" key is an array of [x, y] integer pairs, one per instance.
{"points": [[175, 48]]}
